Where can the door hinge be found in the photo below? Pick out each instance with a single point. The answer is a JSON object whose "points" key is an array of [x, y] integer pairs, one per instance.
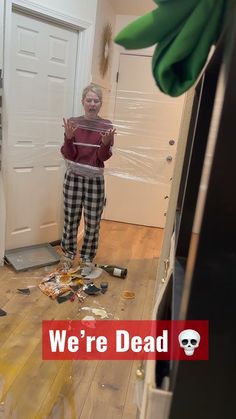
{"points": [[117, 76]]}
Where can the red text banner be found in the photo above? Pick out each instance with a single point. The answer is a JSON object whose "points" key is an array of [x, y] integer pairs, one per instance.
{"points": [[124, 340]]}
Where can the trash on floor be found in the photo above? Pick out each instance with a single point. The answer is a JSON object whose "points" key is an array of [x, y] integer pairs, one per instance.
{"points": [[25, 291], [53, 288], [104, 287], [2, 313], [91, 289], [80, 296], [88, 318], [114, 270], [128, 295], [89, 321], [96, 272], [64, 298], [100, 312], [60, 282], [67, 284]]}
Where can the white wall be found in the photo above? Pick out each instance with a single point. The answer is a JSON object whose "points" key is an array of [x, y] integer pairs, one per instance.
{"points": [[105, 15], [2, 202], [133, 7], [1, 32]]}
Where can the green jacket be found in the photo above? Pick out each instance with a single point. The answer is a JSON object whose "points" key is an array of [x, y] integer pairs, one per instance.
{"points": [[184, 31]]}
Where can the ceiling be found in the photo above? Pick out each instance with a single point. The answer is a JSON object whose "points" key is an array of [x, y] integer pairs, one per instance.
{"points": [[132, 7]]}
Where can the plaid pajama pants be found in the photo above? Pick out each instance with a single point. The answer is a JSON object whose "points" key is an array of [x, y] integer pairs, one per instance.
{"points": [[87, 194]]}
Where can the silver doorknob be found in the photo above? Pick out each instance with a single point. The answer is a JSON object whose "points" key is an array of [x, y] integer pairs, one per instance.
{"points": [[168, 158]]}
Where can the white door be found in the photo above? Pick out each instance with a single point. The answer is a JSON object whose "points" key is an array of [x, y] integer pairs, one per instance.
{"points": [[43, 59], [139, 172]]}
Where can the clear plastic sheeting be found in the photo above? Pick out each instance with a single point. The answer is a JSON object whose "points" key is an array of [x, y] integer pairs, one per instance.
{"points": [[84, 169], [147, 128], [144, 164]]}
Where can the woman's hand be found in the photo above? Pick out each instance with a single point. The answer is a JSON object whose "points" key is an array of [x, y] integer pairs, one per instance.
{"points": [[69, 128], [108, 136]]}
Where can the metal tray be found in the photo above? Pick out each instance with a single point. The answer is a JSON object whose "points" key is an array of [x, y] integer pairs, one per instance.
{"points": [[35, 256]]}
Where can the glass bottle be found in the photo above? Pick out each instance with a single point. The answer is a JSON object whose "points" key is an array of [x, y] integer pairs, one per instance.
{"points": [[113, 270]]}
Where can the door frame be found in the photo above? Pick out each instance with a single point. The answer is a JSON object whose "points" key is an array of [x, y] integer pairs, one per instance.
{"points": [[85, 31], [118, 51]]}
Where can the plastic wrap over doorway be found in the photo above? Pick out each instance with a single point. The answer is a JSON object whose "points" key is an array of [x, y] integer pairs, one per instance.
{"points": [[147, 129]]}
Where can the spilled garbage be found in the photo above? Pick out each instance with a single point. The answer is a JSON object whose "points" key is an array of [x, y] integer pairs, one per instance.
{"points": [[66, 284], [61, 281], [2, 313], [91, 289], [104, 287], [99, 312], [128, 295], [25, 291]]}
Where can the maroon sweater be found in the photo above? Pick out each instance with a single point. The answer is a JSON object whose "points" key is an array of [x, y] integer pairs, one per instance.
{"points": [[86, 147]]}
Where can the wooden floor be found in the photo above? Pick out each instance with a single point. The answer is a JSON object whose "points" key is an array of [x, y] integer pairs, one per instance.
{"points": [[31, 388]]}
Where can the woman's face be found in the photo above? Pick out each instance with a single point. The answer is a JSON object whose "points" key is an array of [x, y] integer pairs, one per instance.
{"points": [[91, 104]]}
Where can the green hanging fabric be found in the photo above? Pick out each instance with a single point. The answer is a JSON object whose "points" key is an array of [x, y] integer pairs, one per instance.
{"points": [[184, 31]]}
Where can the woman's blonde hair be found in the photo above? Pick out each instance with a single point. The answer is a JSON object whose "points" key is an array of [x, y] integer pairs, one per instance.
{"points": [[92, 88]]}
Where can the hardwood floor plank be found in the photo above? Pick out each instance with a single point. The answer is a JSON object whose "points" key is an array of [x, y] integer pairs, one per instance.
{"points": [[32, 388], [119, 376], [74, 392]]}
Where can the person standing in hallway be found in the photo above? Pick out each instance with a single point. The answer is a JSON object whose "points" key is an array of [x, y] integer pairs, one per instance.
{"points": [[88, 141]]}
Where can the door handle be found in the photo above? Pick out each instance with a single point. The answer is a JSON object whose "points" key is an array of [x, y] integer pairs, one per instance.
{"points": [[166, 267], [172, 142], [140, 373], [169, 158]]}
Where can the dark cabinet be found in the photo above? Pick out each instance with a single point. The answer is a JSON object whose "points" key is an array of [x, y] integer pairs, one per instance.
{"points": [[204, 279]]}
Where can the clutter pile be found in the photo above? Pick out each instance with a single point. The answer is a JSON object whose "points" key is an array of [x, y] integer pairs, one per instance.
{"points": [[67, 283], [61, 281]]}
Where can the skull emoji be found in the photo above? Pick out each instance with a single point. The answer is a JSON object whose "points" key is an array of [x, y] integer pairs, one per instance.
{"points": [[189, 340]]}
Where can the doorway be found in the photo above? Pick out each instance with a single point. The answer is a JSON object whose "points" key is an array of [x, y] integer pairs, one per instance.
{"points": [[43, 66], [148, 123]]}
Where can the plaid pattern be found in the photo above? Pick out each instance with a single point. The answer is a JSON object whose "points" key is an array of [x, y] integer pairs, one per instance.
{"points": [[87, 194]]}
